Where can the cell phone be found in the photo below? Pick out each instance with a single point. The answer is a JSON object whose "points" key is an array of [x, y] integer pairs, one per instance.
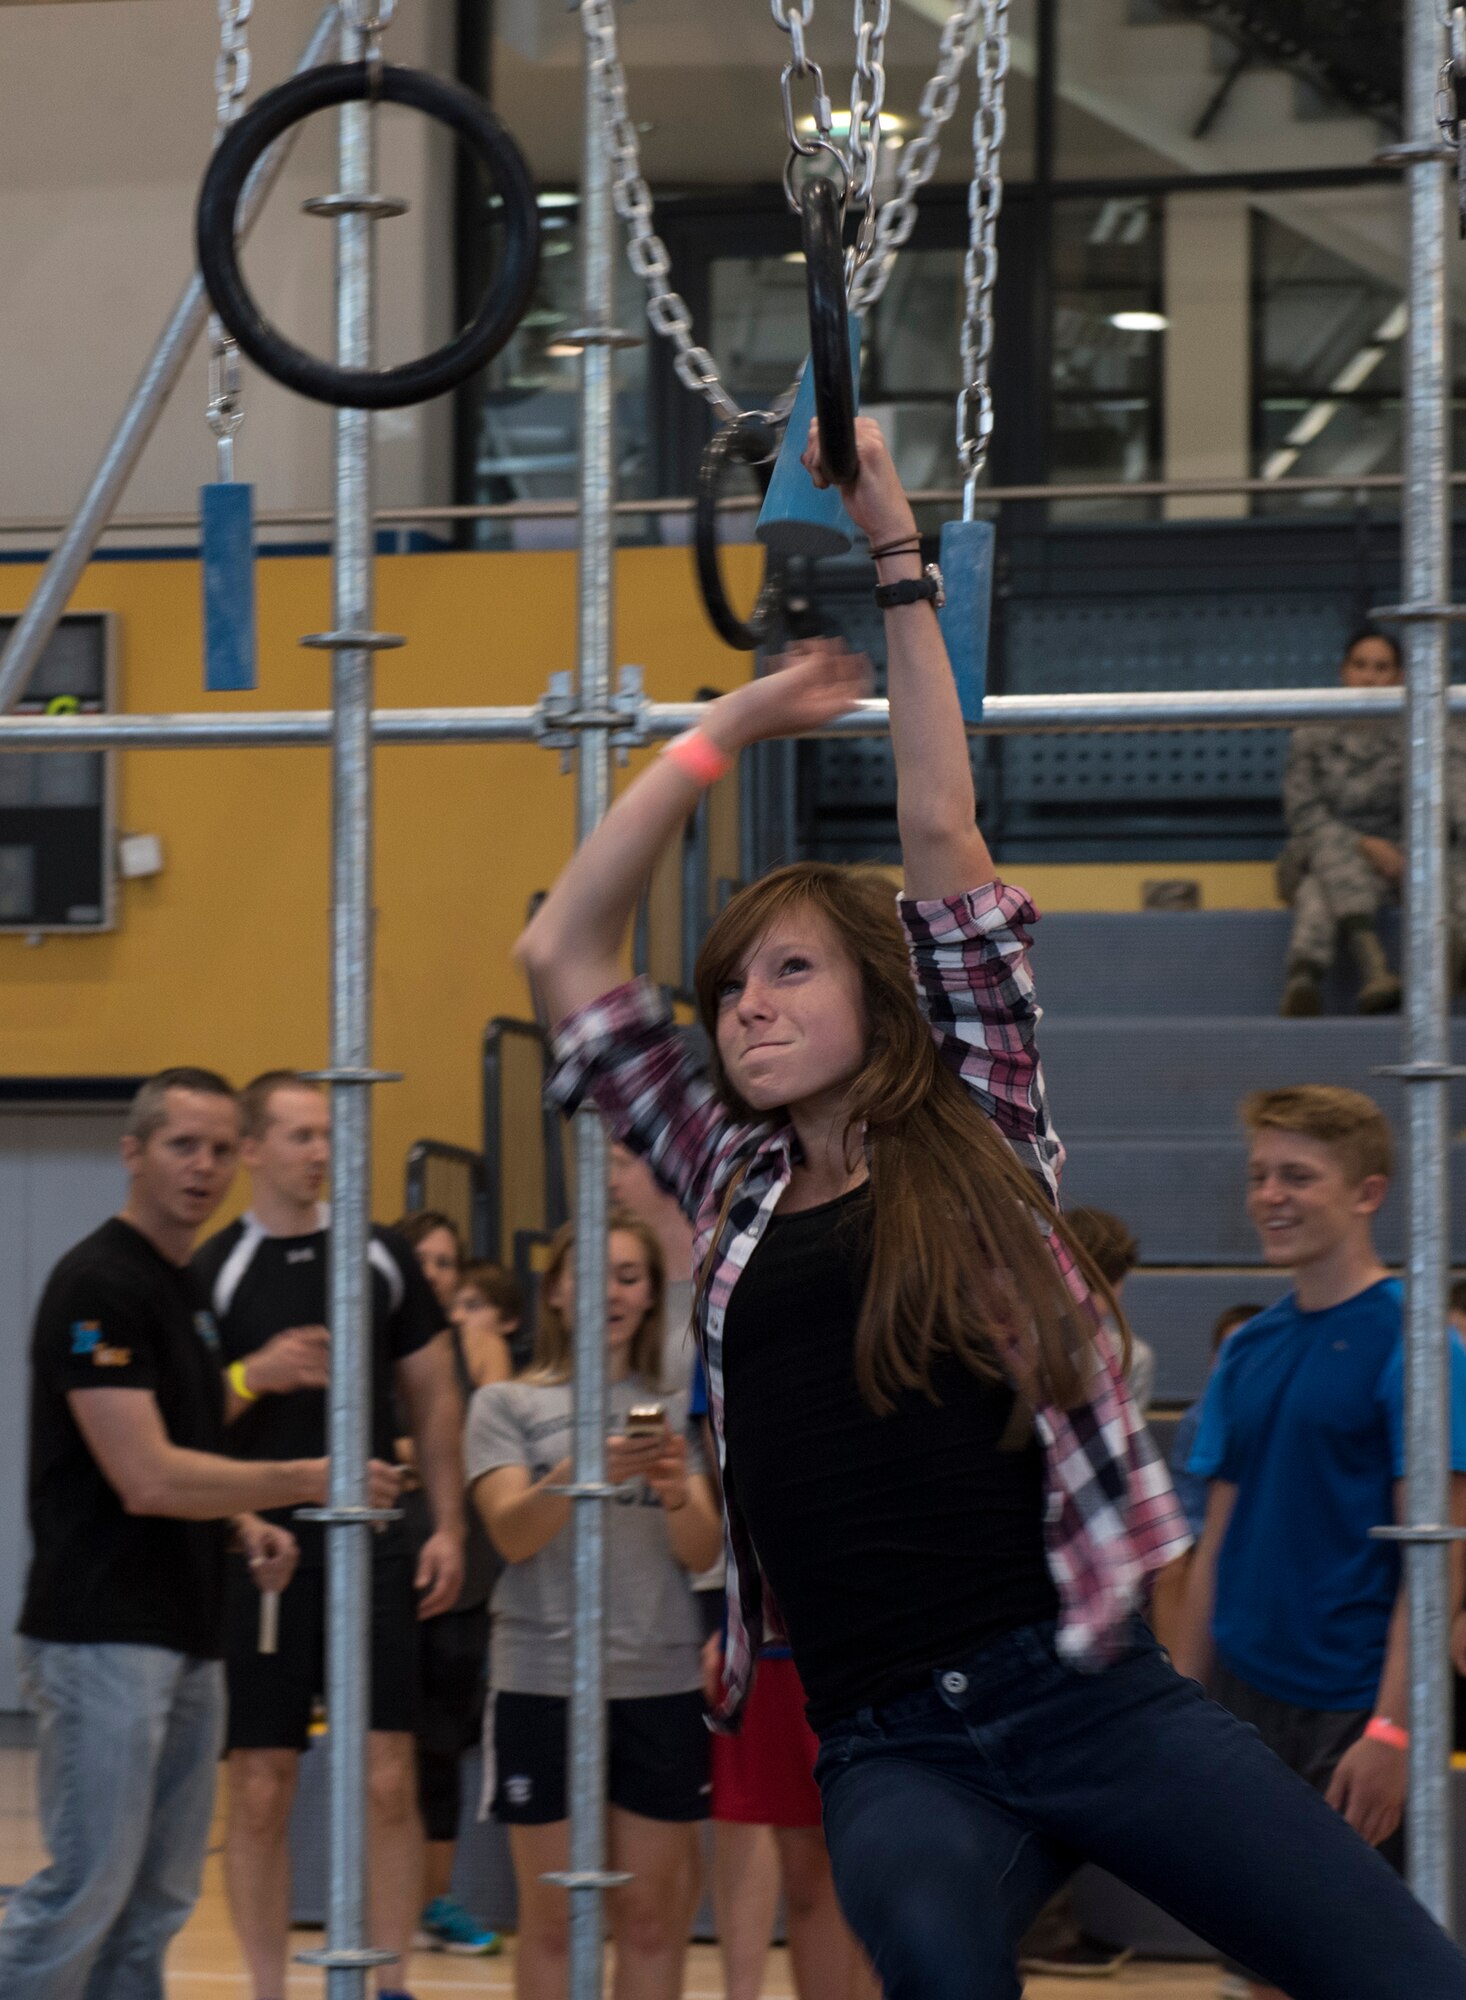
{"points": [[645, 1420]]}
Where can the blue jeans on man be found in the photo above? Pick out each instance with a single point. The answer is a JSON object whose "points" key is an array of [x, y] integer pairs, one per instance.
{"points": [[953, 1814], [129, 1743]]}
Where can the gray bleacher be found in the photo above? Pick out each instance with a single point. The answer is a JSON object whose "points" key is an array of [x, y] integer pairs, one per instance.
{"points": [[1156, 1023]]}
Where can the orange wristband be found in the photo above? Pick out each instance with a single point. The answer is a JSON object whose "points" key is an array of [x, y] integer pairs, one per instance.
{"points": [[1379, 1729], [697, 756]]}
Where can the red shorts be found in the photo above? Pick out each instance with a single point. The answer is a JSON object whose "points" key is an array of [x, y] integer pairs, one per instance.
{"points": [[764, 1776]]}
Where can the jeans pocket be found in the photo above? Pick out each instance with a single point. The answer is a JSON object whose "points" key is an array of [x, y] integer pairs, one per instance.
{"points": [[835, 1754]]}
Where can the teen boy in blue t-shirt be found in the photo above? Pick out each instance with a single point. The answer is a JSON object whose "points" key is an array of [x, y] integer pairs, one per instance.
{"points": [[1294, 1617]]}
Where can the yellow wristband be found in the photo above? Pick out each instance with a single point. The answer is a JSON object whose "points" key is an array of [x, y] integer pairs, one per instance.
{"points": [[234, 1376]]}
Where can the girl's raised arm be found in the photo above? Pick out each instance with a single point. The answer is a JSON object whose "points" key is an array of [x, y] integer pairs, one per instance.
{"points": [[942, 851], [571, 947]]}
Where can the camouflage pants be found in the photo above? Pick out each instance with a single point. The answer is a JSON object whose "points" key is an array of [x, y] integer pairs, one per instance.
{"points": [[1329, 883]]}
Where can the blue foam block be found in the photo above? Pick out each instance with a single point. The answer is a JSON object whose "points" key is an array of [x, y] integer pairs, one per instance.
{"points": [[967, 571], [796, 518], [228, 565]]}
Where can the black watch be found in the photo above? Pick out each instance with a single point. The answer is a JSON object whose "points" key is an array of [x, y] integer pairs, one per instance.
{"points": [[927, 587]]}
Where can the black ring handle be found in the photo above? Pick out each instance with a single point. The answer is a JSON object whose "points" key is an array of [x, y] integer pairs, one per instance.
{"points": [[749, 440], [218, 249], [821, 214]]}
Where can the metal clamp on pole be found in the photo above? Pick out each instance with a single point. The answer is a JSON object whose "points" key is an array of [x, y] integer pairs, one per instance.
{"points": [[504, 302], [560, 716], [1429, 1532]]}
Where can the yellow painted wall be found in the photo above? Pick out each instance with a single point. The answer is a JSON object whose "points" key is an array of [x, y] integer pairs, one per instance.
{"points": [[222, 959]]}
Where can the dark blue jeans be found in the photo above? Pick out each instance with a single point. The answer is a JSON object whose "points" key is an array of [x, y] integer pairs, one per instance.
{"points": [[952, 1814]]}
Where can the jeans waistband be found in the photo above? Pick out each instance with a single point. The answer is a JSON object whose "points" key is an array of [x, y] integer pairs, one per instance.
{"points": [[1007, 1664]]}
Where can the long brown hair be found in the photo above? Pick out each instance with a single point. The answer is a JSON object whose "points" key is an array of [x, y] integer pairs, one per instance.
{"points": [[959, 1261], [554, 1338]]}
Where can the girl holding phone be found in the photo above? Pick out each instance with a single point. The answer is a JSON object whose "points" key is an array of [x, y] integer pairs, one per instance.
{"points": [[662, 1527]]}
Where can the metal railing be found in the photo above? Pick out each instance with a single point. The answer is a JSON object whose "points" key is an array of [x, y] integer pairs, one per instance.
{"points": [[454, 1181]]}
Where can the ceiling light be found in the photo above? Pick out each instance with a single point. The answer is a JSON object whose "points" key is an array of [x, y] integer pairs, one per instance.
{"points": [[792, 257], [557, 201], [562, 350], [891, 123], [1358, 371], [1393, 326], [1139, 322], [1315, 419]]}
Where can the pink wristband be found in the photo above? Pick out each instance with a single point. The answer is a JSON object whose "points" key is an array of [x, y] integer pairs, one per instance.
{"points": [[1379, 1729], [697, 756]]}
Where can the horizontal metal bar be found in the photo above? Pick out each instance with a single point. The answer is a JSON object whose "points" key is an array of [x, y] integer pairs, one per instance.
{"points": [[1244, 708], [410, 515]]}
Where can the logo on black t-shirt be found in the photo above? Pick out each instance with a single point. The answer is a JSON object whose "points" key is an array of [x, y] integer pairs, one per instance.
{"points": [[207, 1331], [86, 1339]]}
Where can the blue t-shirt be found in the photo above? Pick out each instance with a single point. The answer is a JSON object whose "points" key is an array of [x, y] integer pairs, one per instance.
{"points": [[1191, 1492], [1304, 1414]]}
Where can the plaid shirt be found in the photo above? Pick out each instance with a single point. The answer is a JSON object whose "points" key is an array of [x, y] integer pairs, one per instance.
{"points": [[1111, 1518]]}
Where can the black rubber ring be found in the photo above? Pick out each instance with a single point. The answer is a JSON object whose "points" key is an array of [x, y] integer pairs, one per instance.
{"points": [[821, 217], [218, 249], [748, 440]]}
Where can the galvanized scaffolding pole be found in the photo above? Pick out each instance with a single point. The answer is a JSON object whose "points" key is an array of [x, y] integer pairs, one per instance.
{"points": [[347, 1956], [1426, 1068], [588, 1878]]}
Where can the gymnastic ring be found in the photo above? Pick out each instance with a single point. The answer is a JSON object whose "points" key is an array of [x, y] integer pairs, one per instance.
{"points": [[218, 250], [749, 440], [821, 215]]}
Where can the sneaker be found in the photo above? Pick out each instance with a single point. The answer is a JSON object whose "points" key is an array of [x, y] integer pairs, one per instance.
{"points": [[447, 1926], [1086, 1958]]}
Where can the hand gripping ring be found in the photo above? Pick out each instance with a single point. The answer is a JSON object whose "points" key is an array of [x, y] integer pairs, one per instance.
{"points": [[218, 250], [749, 440], [821, 214]]}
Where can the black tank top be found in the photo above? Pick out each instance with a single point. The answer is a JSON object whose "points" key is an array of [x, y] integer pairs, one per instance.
{"points": [[893, 1544]]}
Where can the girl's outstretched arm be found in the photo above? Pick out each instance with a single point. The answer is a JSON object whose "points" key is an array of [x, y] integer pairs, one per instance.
{"points": [[571, 946], [942, 851]]}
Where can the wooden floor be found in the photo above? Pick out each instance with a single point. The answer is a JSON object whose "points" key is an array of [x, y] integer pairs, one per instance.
{"points": [[205, 1964]]}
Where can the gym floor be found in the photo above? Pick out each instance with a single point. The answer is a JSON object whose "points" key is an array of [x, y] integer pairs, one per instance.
{"points": [[205, 1963]]}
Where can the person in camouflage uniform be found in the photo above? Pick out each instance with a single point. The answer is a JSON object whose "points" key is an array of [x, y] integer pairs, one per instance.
{"points": [[1343, 796]]}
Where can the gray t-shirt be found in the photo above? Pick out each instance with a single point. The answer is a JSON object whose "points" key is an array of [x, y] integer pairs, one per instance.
{"points": [[653, 1633]]}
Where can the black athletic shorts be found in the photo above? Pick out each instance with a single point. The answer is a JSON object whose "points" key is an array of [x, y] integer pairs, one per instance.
{"points": [[657, 1762], [1310, 1741], [271, 1694]]}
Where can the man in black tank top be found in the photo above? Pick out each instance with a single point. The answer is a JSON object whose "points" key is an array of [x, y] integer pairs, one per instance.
{"points": [[266, 1276]]}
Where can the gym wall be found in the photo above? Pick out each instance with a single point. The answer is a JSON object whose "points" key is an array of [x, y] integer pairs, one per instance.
{"points": [[222, 959]]}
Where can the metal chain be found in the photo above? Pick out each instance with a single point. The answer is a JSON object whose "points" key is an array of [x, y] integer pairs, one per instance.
{"points": [[919, 158], [231, 81], [980, 267], [867, 101], [667, 310], [792, 17]]}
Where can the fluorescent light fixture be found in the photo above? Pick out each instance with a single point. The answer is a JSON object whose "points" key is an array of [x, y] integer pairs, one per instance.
{"points": [[792, 257], [1354, 374], [1139, 322], [1314, 419], [1393, 326], [560, 350], [891, 124], [557, 201], [1280, 463]]}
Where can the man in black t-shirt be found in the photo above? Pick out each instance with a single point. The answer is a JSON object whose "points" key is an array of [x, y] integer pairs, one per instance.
{"points": [[267, 1282], [122, 1624]]}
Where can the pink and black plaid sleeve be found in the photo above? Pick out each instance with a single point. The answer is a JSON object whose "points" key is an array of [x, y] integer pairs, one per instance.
{"points": [[969, 961], [624, 1051]]}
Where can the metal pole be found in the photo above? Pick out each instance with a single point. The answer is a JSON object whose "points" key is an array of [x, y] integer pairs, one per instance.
{"points": [[154, 386], [587, 1748], [1427, 1024], [1002, 715], [348, 1570]]}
